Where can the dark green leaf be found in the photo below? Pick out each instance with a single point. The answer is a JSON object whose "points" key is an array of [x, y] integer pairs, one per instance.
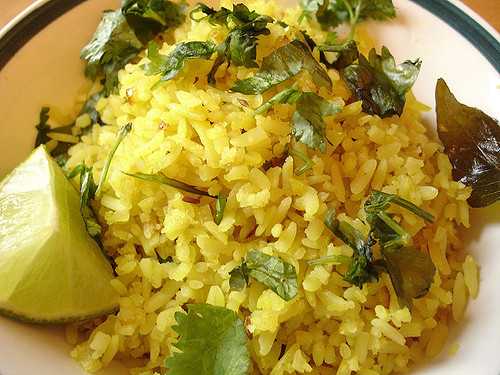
{"points": [[383, 226], [164, 180], [87, 194], [380, 83], [471, 140], [282, 64], [220, 205], [288, 96], [411, 272], [361, 269], [308, 126], [169, 66], [42, 127], [113, 45], [271, 271], [346, 54], [239, 16], [331, 13], [379, 201], [212, 340], [149, 17], [238, 277], [89, 108]]}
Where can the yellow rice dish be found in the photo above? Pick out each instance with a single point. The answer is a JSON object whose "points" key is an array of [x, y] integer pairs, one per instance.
{"points": [[211, 138]]}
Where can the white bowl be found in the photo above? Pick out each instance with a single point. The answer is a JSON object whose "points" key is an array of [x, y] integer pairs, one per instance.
{"points": [[39, 65]]}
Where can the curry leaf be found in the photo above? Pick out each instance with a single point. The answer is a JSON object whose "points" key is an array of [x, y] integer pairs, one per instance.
{"points": [[411, 272], [308, 126], [220, 205], [380, 83], [42, 127], [345, 54], [212, 340], [160, 178], [271, 271], [170, 65], [149, 17], [282, 64], [238, 279], [471, 140]]}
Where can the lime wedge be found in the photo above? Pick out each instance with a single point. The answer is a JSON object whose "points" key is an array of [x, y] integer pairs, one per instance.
{"points": [[50, 269]]}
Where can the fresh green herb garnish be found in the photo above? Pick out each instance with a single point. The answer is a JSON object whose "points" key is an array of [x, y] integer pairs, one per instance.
{"points": [[123, 33], [104, 174], [308, 126], [150, 17], [307, 163], [282, 64], [289, 96], [361, 270], [380, 83], [240, 46], [43, 128], [169, 66], [212, 340], [411, 271], [332, 13], [271, 271], [89, 190], [383, 227], [471, 140], [220, 205], [160, 178], [113, 45]]}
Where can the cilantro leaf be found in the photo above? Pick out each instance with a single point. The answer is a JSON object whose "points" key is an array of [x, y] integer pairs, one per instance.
{"points": [[169, 66], [122, 34], [282, 64], [308, 126], [220, 205], [160, 178], [212, 340], [89, 189], [411, 272], [471, 140], [332, 13], [113, 45], [240, 46], [361, 269], [380, 83], [149, 17], [272, 271]]}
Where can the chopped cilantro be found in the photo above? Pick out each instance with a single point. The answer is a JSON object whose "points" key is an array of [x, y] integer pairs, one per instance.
{"points": [[212, 340], [272, 271]]}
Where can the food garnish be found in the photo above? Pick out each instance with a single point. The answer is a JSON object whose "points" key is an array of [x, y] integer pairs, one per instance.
{"points": [[471, 140], [272, 271], [380, 83], [51, 270], [212, 340]]}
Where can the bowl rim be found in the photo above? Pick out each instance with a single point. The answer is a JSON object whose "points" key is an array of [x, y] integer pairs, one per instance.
{"points": [[456, 14]]}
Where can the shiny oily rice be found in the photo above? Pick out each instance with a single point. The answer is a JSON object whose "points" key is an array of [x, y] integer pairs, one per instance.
{"points": [[207, 138]]}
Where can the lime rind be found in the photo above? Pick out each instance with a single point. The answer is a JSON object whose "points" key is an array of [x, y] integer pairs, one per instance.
{"points": [[52, 271]]}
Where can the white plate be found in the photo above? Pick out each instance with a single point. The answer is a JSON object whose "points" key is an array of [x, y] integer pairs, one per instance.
{"points": [[47, 71]]}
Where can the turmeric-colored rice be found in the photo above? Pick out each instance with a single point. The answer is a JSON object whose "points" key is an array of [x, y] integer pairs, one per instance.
{"points": [[211, 138]]}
